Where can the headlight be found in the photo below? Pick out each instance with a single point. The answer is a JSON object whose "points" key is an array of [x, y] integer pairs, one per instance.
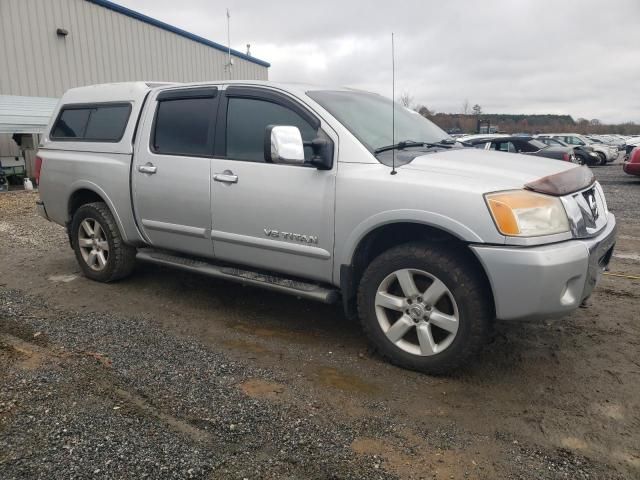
{"points": [[521, 213]]}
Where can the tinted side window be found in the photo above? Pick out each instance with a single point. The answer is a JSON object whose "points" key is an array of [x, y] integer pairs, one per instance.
{"points": [[247, 119], [527, 147], [184, 126], [71, 123], [504, 146], [107, 123], [95, 123]]}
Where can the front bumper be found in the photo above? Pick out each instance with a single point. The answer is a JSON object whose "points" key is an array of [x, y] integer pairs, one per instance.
{"points": [[548, 280]]}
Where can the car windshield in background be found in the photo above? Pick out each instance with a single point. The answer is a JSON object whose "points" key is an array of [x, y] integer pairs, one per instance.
{"points": [[369, 117]]}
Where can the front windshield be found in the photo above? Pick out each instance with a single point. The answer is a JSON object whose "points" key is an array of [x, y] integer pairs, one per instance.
{"points": [[368, 117]]}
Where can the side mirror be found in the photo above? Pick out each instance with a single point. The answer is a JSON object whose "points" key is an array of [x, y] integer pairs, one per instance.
{"points": [[283, 144]]}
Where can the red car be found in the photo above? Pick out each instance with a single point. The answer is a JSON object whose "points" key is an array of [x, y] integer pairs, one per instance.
{"points": [[632, 166]]}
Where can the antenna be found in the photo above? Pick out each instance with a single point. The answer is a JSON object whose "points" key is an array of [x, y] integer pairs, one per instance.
{"points": [[393, 106], [229, 61]]}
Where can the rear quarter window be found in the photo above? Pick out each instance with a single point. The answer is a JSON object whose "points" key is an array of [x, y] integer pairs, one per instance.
{"points": [[92, 123]]}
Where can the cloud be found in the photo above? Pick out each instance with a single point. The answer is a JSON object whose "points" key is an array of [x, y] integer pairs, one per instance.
{"points": [[577, 57]]}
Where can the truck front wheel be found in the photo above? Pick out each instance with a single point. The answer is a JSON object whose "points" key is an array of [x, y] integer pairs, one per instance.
{"points": [[98, 244], [425, 307]]}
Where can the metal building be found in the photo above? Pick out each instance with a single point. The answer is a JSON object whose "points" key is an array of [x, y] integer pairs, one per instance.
{"points": [[49, 46]]}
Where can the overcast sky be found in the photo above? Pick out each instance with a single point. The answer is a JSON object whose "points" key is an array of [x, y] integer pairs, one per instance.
{"points": [[577, 57]]}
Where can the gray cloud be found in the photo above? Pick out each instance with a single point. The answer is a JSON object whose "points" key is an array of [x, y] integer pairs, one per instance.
{"points": [[579, 57]]}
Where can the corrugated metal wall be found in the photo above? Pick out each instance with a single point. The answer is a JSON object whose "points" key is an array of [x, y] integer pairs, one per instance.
{"points": [[8, 148], [102, 46]]}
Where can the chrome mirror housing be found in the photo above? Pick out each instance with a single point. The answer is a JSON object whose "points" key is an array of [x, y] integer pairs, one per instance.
{"points": [[283, 144]]}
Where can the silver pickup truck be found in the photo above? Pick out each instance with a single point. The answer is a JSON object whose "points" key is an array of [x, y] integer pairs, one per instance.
{"points": [[308, 191]]}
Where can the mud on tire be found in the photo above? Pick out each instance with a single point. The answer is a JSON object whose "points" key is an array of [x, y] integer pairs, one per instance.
{"points": [[118, 259], [468, 297]]}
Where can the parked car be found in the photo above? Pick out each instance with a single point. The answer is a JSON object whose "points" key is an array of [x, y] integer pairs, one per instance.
{"points": [[583, 153], [631, 144], [525, 145], [308, 191], [605, 152], [612, 140], [632, 165]]}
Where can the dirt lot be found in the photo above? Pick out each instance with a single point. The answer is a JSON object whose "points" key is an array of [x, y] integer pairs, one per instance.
{"points": [[169, 375]]}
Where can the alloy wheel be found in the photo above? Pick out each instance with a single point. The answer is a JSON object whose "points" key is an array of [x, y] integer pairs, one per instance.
{"points": [[93, 244], [417, 312]]}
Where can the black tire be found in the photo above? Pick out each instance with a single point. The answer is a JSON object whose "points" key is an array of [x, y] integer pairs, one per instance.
{"points": [[466, 284], [121, 257], [603, 158]]}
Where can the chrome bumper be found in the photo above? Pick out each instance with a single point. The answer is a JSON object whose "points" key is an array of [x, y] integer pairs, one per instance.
{"points": [[548, 280]]}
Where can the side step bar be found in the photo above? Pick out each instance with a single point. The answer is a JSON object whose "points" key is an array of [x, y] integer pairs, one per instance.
{"points": [[273, 282]]}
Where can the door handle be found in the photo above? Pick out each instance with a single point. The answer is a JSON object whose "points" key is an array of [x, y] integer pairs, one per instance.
{"points": [[226, 177], [149, 168]]}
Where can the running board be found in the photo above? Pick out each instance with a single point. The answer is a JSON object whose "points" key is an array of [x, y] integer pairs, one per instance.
{"points": [[273, 282]]}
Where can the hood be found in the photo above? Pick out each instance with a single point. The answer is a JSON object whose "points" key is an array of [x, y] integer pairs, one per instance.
{"points": [[490, 170]]}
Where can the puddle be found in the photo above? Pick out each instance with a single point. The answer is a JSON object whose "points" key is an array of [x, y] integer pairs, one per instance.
{"points": [[257, 388], [332, 377], [62, 278]]}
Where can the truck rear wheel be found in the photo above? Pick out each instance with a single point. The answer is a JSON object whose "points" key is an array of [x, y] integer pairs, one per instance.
{"points": [[425, 308], [98, 244]]}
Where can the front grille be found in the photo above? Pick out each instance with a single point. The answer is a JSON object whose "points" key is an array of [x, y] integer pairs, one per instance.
{"points": [[592, 209]]}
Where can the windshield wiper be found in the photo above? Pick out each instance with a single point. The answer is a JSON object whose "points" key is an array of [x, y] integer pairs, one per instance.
{"points": [[400, 146], [446, 143]]}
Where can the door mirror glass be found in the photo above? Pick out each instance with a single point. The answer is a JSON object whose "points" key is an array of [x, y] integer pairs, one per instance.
{"points": [[283, 144]]}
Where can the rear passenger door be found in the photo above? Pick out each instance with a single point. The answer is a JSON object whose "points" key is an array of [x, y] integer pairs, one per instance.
{"points": [[172, 169]]}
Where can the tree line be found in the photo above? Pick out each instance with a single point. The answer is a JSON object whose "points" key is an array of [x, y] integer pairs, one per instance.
{"points": [[467, 121]]}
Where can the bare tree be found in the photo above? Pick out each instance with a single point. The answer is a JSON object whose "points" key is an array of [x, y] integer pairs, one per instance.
{"points": [[477, 110], [466, 107], [406, 99], [423, 110]]}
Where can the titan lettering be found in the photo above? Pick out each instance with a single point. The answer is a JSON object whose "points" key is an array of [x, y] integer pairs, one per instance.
{"points": [[296, 237]]}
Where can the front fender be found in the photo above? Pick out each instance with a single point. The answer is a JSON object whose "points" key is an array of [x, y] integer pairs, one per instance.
{"points": [[422, 217]]}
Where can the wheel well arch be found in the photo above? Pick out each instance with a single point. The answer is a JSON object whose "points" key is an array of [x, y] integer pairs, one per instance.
{"points": [[80, 197], [382, 238]]}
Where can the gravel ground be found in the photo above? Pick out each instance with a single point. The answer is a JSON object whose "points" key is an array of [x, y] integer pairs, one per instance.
{"points": [[105, 396], [167, 375]]}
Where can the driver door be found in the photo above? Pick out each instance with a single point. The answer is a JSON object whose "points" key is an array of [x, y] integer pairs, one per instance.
{"points": [[271, 216]]}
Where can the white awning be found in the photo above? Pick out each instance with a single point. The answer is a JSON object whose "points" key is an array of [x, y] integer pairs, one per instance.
{"points": [[25, 114]]}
